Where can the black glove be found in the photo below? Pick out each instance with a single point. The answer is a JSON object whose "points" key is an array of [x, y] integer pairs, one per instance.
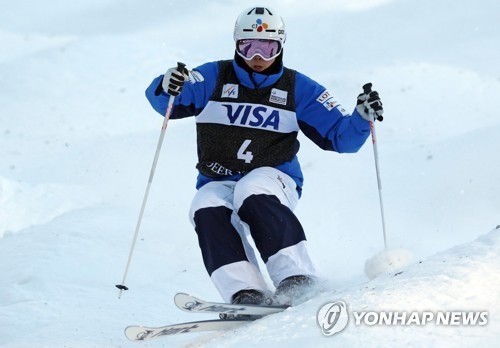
{"points": [[174, 79], [369, 105]]}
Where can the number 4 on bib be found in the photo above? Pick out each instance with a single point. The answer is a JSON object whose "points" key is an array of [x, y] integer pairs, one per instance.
{"points": [[246, 156]]}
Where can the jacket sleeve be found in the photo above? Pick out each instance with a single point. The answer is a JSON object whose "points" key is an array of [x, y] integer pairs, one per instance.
{"points": [[324, 120], [194, 96]]}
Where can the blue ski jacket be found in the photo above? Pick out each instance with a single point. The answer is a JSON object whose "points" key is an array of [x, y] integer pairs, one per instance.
{"points": [[318, 114]]}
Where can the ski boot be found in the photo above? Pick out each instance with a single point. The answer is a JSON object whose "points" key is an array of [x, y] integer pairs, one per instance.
{"points": [[247, 297], [293, 290]]}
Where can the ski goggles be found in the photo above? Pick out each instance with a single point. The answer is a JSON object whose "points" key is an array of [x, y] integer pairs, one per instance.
{"points": [[266, 49]]}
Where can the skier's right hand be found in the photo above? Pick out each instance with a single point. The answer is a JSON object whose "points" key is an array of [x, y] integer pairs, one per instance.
{"points": [[174, 79]]}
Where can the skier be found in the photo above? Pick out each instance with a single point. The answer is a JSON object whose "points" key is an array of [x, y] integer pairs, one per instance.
{"points": [[248, 113]]}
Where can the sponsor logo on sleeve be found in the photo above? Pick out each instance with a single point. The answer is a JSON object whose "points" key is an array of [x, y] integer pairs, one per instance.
{"points": [[329, 102], [195, 76], [343, 111], [230, 90]]}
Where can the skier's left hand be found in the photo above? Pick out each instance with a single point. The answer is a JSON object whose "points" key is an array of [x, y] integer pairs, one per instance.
{"points": [[369, 105]]}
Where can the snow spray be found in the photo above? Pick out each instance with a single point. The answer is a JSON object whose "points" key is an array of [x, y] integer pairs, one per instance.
{"points": [[387, 261]]}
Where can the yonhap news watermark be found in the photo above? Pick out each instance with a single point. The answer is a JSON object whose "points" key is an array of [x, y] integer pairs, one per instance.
{"points": [[333, 317]]}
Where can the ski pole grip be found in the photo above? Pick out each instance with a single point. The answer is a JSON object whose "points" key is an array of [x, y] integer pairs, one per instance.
{"points": [[181, 67], [367, 88]]}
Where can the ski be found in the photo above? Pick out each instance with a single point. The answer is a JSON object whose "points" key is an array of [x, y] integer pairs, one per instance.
{"points": [[193, 304], [143, 333]]}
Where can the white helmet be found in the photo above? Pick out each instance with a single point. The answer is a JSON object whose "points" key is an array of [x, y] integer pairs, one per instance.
{"points": [[259, 23]]}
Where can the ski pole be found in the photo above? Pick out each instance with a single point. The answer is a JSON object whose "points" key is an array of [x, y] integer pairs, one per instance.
{"points": [[180, 67], [367, 88]]}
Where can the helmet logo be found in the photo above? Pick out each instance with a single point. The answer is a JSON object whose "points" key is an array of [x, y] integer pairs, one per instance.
{"points": [[260, 25]]}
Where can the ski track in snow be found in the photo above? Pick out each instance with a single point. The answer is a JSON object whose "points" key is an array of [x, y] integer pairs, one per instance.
{"points": [[77, 140]]}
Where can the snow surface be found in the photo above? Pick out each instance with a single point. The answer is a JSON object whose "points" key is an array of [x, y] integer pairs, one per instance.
{"points": [[78, 138]]}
